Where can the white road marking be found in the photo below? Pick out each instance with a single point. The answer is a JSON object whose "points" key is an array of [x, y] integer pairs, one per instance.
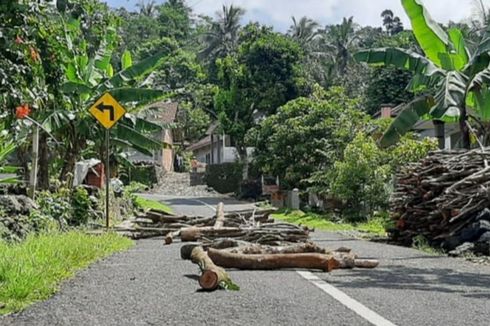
{"points": [[205, 204], [347, 301]]}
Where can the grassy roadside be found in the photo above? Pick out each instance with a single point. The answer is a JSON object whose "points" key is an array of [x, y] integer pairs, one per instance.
{"points": [[374, 226], [32, 270], [147, 204]]}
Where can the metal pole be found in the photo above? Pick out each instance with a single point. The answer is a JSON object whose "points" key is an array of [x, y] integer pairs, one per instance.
{"points": [[107, 178]]}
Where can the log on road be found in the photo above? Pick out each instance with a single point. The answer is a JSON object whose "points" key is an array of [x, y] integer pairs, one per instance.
{"points": [[225, 259], [212, 276]]}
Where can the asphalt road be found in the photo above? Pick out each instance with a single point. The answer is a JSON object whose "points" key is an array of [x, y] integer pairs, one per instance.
{"points": [[151, 285]]}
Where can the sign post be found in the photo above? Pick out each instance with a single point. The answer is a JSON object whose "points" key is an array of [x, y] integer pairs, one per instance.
{"points": [[108, 112]]}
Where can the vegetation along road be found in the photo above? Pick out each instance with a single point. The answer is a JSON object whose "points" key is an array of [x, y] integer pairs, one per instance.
{"points": [[151, 285]]}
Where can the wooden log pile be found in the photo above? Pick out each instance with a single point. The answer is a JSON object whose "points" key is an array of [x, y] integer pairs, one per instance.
{"points": [[252, 225], [243, 240], [441, 197]]}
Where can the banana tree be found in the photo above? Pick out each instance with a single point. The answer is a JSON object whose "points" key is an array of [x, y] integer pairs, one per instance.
{"points": [[460, 77], [90, 76]]}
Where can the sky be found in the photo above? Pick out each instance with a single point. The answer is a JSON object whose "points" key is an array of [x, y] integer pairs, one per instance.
{"points": [[278, 13]]}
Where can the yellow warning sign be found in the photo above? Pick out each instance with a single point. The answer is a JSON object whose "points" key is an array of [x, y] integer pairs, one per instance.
{"points": [[107, 111]]}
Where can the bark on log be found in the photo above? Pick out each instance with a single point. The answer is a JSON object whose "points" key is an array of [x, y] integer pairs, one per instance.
{"points": [[224, 259], [169, 238], [220, 216], [212, 276]]}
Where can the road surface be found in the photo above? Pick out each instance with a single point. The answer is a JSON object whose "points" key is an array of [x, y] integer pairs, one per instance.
{"points": [[151, 285]]}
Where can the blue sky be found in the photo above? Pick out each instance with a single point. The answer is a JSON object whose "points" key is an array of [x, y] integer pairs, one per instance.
{"points": [[366, 12]]}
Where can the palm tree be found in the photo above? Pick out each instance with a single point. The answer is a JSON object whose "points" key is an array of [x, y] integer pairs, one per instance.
{"points": [[341, 39], [147, 8], [222, 37], [304, 31]]}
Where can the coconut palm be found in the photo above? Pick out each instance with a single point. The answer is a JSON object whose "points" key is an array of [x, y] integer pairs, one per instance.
{"points": [[147, 8], [304, 31], [341, 39], [222, 37]]}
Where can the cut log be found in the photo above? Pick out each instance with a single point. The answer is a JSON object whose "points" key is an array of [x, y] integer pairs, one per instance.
{"points": [[322, 262], [169, 238], [212, 276], [220, 216], [366, 263], [256, 249]]}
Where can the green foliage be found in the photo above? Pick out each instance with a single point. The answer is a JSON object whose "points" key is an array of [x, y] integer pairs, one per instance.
{"points": [[224, 178], [361, 178], [374, 226], [32, 271], [387, 86], [81, 206], [306, 135], [147, 204]]}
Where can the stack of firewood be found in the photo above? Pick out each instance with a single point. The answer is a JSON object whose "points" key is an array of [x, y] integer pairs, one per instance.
{"points": [[253, 225], [440, 196]]}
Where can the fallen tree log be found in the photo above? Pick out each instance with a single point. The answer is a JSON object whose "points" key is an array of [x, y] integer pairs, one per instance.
{"points": [[220, 216], [225, 259], [212, 276]]}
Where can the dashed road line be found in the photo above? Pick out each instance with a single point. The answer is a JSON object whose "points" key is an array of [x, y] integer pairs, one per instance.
{"points": [[347, 301]]}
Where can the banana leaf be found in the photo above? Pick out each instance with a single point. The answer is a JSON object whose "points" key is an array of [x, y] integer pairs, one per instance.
{"points": [[451, 95], [400, 58], [406, 119], [430, 36]]}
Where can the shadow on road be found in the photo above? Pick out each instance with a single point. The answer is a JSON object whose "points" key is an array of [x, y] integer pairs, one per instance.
{"points": [[443, 280]]}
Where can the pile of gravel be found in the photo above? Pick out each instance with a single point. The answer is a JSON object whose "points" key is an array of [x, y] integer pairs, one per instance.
{"points": [[178, 184]]}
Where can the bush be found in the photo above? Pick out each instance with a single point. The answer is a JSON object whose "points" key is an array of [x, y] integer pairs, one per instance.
{"points": [[81, 206], [224, 178], [306, 135], [361, 178]]}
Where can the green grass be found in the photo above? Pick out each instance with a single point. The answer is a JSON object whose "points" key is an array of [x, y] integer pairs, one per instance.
{"points": [[32, 270], [374, 226], [147, 204]]}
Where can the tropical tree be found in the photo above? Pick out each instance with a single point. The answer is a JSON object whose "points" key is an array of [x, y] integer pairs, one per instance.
{"points": [[391, 23], [222, 37], [147, 8], [304, 31], [341, 39], [87, 78], [461, 77], [254, 83]]}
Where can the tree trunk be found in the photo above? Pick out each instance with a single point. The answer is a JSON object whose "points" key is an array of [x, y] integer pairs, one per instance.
{"points": [[68, 165], [220, 216], [212, 276], [440, 133], [34, 165], [463, 128], [43, 174], [273, 261], [242, 153]]}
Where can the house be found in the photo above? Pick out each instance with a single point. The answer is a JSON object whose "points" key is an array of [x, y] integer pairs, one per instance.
{"points": [[216, 148], [162, 113], [448, 134]]}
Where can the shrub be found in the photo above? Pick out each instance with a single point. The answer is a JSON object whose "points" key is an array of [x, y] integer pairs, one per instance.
{"points": [[361, 178], [224, 178], [81, 206]]}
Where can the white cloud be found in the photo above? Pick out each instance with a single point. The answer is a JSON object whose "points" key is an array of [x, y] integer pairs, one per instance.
{"points": [[365, 12]]}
